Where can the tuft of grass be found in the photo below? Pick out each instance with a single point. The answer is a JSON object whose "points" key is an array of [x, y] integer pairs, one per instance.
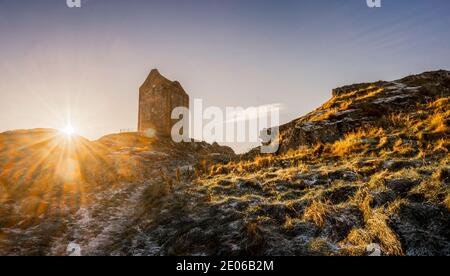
{"points": [[447, 202], [263, 161], [441, 103], [327, 114], [288, 222], [442, 146], [348, 145], [400, 121], [394, 206], [358, 237], [376, 229], [365, 199], [384, 141], [402, 148], [407, 173], [345, 105], [302, 167], [379, 230], [429, 189], [373, 92], [218, 170], [442, 174], [356, 142], [319, 245], [437, 122], [433, 189], [318, 212]]}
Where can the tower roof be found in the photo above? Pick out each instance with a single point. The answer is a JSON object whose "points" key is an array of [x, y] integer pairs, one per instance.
{"points": [[155, 78]]}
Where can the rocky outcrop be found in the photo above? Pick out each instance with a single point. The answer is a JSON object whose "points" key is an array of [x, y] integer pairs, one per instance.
{"points": [[354, 106]]}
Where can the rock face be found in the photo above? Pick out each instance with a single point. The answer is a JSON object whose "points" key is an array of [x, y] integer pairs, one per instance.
{"points": [[158, 96], [359, 105]]}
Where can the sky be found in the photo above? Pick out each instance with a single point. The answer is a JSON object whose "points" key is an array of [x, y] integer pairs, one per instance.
{"points": [[85, 65]]}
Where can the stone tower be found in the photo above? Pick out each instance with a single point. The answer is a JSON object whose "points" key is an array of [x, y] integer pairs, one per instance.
{"points": [[158, 96]]}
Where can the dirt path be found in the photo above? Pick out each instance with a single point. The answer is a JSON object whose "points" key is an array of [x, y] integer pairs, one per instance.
{"points": [[99, 226]]}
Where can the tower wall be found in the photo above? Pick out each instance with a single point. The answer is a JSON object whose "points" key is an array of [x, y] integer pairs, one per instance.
{"points": [[158, 96]]}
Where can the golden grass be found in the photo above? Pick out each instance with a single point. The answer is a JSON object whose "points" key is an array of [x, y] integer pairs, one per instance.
{"points": [[441, 146], [358, 237], [346, 146], [432, 189], [353, 142], [379, 230], [400, 121], [429, 189], [330, 108], [218, 170], [327, 114], [402, 148], [319, 245], [441, 103], [317, 212], [288, 222], [447, 202], [394, 206], [390, 138], [407, 173], [259, 163], [263, 161], [365, 199], [373, 92], [345, 105], [437, 123], [353, 93], [384, 141], [376, 229], [302, 167]]}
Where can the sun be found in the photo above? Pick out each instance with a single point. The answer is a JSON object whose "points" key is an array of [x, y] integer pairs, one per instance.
{"points": [[68, 130]]}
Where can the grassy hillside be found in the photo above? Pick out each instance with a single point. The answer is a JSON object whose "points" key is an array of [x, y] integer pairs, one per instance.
{"points": [[369, 166]]}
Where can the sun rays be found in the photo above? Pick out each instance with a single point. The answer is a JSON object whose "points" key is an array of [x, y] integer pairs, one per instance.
{"points": [[48, 174], [68, 130]]}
